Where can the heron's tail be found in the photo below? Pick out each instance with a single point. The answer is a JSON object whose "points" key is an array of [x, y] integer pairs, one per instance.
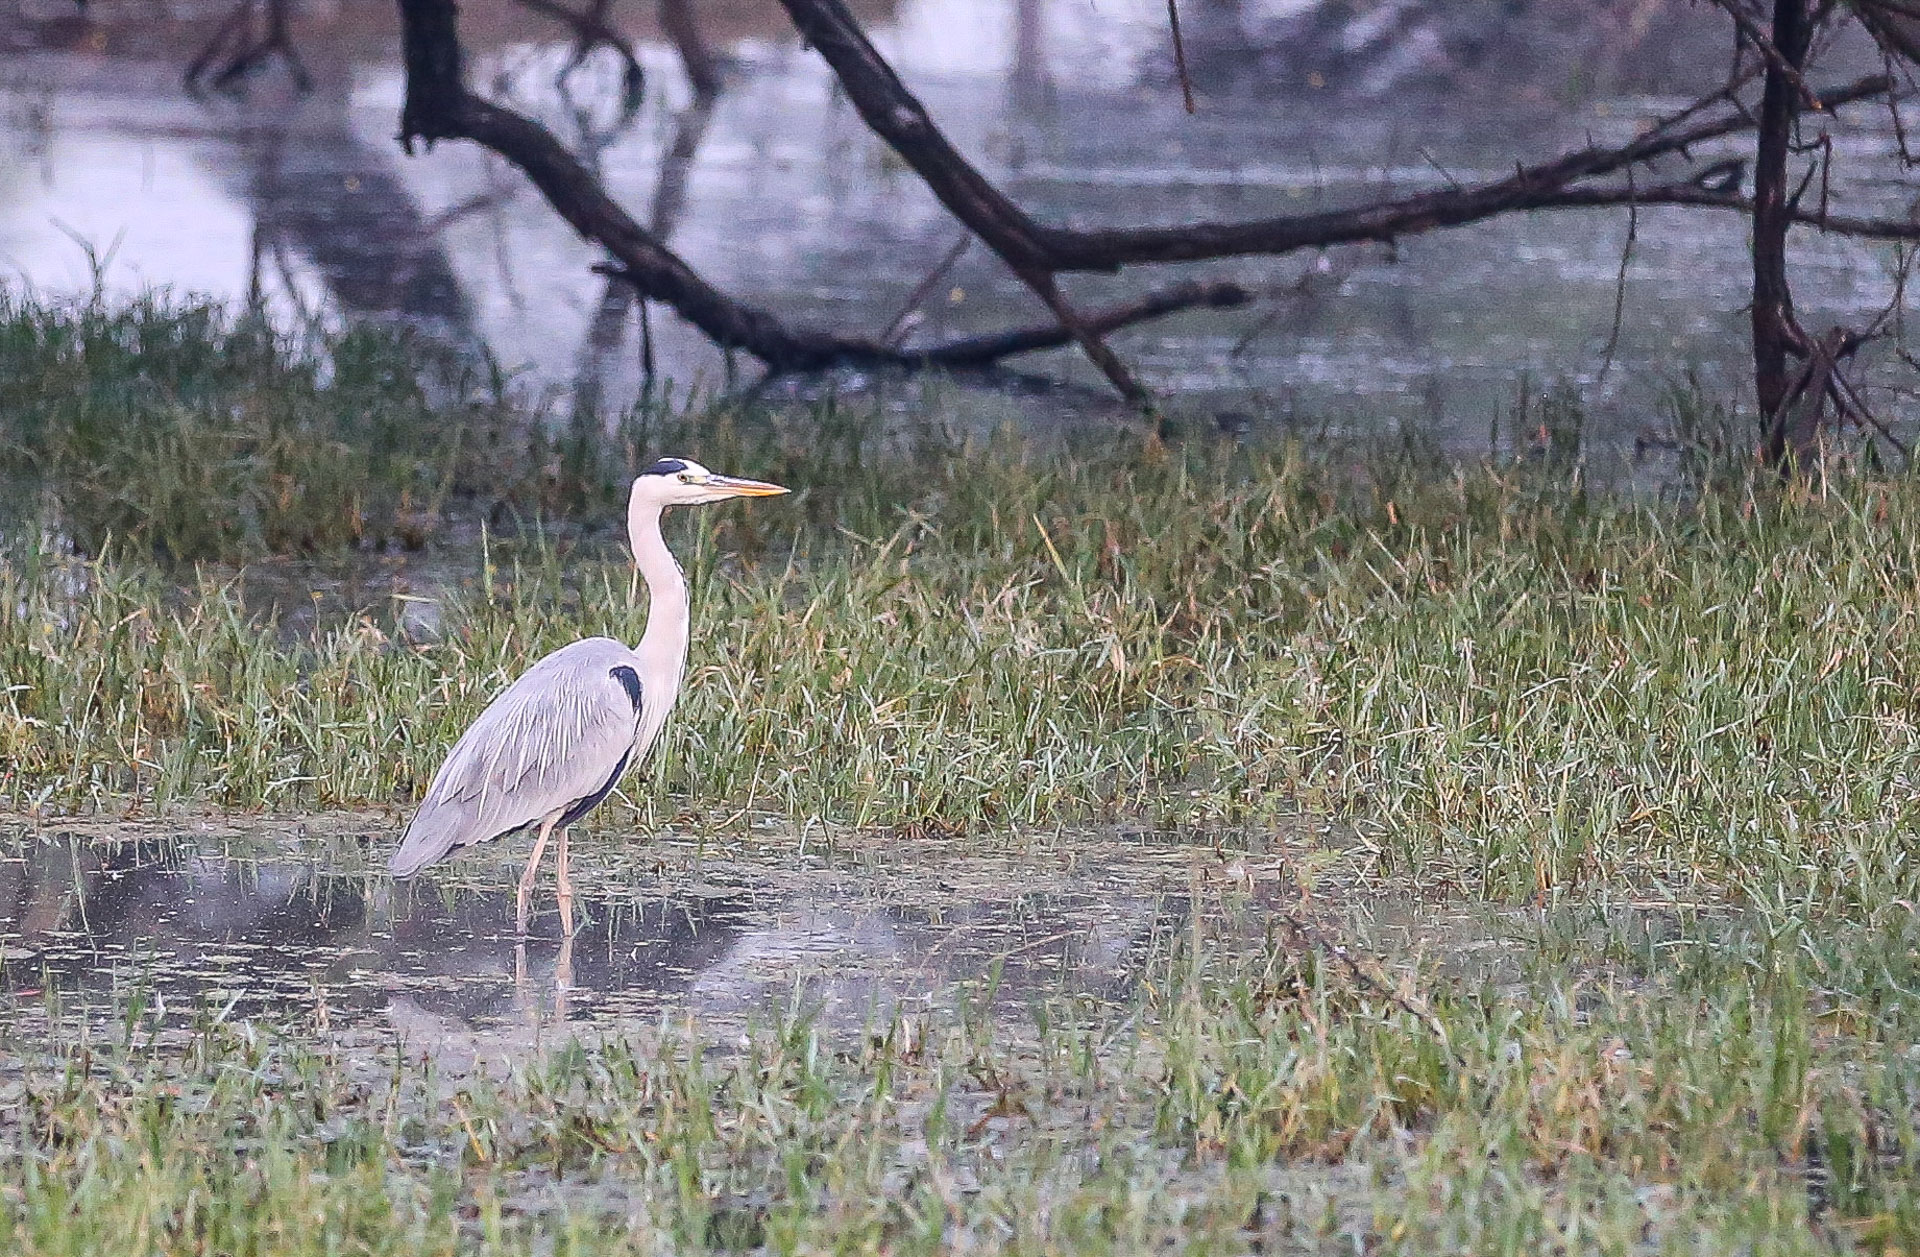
{"points": [[429, 838]]}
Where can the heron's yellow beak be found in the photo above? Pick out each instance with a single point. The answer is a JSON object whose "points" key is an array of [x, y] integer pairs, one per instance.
{"points": [[745, 488]]}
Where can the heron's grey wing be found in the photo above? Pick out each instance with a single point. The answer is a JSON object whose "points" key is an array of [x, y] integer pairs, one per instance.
{"points": [[556, 737]]}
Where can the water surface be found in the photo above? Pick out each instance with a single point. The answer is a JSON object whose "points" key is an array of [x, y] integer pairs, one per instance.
{"points": [[294, 921], [781, 196]]}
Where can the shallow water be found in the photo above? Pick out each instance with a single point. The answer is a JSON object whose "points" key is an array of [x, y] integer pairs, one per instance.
{"points": [[291, 923], [782, 197], [261, 920]]}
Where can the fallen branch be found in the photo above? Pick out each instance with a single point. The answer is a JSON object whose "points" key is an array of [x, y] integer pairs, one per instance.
{"points": [[1548, 185], [978, 351], [897, 116], [988, 348], [439, 106], [1036, 252], [1692, 195]]}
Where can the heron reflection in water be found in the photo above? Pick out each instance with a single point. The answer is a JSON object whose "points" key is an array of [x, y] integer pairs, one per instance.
{"points": [[555, 742]]}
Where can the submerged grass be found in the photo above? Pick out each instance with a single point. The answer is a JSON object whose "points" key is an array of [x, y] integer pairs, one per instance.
{"points": [[1245, 1102]]}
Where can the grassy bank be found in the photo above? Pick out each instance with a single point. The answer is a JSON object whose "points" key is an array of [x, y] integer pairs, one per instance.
{"points": [[188, 431]]}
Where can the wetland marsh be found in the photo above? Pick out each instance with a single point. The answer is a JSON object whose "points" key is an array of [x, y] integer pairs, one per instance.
{"points": [[1061, 845]]}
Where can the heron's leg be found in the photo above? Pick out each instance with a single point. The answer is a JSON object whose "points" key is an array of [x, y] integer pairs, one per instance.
{"points": [[562, 978], [564, 887], [526, 878]]}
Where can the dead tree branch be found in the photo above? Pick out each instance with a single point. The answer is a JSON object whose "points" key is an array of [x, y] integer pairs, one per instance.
{"points": [[1037, 252], [242, 45], [898, 117], [592, 29], [439, 106], [1750, 30], [903, 122], [980, 351], [1694, 194]]}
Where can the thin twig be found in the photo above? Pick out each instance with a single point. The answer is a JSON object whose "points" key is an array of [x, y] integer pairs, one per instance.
{"points": [[897, 325], [1180, 54], [1089, 338], [1758, 38], [1620, 282]]}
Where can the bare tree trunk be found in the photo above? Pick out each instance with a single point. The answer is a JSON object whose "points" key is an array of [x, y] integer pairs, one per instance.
{"points": [[1776, 334]]}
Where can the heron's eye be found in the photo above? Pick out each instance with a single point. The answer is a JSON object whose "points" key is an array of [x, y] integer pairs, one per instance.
{"points": [[686, 477]]}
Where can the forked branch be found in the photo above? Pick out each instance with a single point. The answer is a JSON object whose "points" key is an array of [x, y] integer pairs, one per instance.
{"points": [[439, 106]]}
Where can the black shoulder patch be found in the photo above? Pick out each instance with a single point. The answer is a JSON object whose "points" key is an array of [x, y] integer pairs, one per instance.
{"points": [[630, 682], [665, 467]]}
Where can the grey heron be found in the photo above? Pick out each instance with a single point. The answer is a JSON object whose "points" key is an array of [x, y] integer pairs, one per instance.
{"points": [[555, 742]]}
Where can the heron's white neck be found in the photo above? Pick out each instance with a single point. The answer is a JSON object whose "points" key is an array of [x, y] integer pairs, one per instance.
{"points": [[663, 647]]}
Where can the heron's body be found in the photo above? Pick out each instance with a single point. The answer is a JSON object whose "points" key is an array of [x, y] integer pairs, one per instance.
{"points": [[556, 741]]}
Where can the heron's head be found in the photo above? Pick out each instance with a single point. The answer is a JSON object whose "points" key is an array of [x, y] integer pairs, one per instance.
{"points": [[683, 482]]}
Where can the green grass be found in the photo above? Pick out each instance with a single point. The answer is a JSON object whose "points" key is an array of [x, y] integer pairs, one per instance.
{"points": [[1509, 688], [180, 429], [1516, 689]]}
